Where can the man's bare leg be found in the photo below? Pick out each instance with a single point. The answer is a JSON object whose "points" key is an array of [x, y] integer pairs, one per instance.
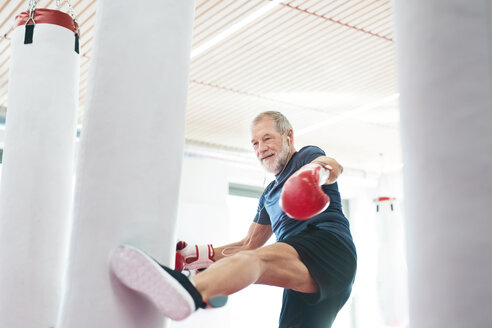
{"points": [[176, 297], [276, 265]]}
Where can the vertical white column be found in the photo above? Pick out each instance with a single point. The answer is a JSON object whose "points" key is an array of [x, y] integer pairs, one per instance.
{"points": [[445, 70], [391, 278], [37, 178], [130, 156]]}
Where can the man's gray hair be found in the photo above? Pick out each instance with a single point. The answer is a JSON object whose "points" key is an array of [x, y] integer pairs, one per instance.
{"points": [[281, 122]]}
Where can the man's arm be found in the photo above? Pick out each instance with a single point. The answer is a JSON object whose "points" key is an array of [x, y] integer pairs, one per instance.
{"points": [[257, 236], [337, 169]]}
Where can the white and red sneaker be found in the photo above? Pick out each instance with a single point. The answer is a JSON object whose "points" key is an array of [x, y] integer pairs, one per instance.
{"points": [[171, 291]]}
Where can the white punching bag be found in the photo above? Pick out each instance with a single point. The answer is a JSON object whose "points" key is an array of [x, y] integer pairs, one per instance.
{"points": [[38, 159], [129, 161], [445, 64]]}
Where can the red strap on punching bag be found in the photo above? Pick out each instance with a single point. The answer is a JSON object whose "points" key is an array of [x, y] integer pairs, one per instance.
{"points": [[48, 16]]}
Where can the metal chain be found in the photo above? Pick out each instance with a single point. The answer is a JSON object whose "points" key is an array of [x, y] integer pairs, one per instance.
{"points": [[71, 11], [58, 4], [32, 9], [32, 5]]}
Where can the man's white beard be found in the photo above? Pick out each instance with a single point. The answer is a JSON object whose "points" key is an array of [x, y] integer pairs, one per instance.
{"points": [[280, 160]]}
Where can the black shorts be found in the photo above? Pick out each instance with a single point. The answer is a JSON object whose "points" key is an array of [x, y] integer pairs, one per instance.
{"points": [[333, 268]]}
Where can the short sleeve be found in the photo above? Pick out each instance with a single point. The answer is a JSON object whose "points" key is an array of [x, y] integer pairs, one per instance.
{"points": [[310, 153], [262, 216]]}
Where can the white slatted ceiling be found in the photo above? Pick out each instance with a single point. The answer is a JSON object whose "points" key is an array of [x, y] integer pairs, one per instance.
{"points": [[311, 59]]}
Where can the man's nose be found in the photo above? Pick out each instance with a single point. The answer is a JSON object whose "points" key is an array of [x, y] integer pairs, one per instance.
{"points": [[262, 147]]}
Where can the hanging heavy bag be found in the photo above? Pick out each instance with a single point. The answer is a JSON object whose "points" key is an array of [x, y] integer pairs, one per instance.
{"points": [[38, 164]]}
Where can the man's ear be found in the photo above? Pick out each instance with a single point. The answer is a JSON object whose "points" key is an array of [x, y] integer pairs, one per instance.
{"points": [[290, 136]]}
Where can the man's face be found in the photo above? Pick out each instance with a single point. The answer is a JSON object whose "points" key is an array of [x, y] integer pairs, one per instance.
{"points": [[272, 148]]}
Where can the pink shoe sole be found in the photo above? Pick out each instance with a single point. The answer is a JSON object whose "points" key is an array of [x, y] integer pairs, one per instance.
{"points": [[141, 273]]}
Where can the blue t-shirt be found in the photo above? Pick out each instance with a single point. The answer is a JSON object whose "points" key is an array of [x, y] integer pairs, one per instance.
{"points": [[332, 219]]}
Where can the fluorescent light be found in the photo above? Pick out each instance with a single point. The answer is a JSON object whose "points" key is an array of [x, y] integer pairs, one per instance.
{"points": [[348, 114], [234, 28]]}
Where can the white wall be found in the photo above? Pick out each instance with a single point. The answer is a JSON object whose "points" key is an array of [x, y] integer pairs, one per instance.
{"points": [[368, 296], [203, 219], [208, 215]]}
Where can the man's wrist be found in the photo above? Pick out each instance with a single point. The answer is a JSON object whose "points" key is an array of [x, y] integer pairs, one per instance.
{"points": [[325, 173], [323, 165]]}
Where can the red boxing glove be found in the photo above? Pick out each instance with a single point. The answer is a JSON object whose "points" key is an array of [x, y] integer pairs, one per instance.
{"points": [[302, 196], [179, 262], [193, 257]]}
